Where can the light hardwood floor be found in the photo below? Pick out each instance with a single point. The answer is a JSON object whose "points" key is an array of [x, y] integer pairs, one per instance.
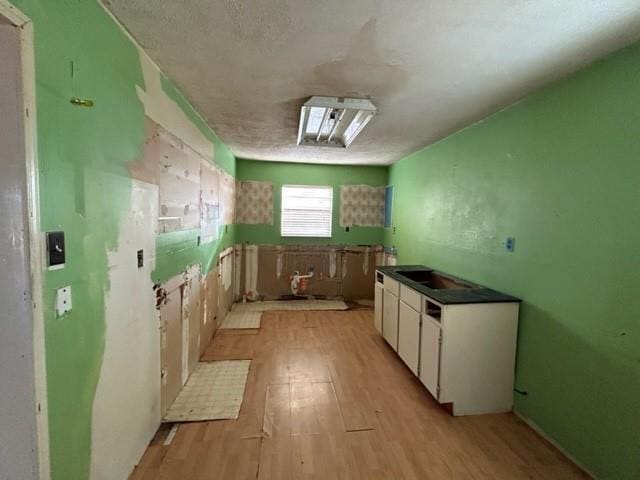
{"points": [[326, 398]]}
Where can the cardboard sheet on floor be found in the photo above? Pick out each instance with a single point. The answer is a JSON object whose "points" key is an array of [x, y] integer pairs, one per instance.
{"points": [[241, 319], [290, 305], [214, 391]]}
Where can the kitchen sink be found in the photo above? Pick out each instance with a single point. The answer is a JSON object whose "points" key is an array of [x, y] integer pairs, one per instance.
{"points": [[434, 280]]}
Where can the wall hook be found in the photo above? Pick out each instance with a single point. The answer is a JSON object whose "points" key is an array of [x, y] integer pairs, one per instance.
{"points": [[81, 102]]}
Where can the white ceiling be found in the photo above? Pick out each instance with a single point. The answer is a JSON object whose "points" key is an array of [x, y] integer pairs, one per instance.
{"points": [[430, 66]]}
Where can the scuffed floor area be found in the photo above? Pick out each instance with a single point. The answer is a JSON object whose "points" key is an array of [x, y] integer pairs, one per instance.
{"points": [[288, 305], [241, 319], [326, 398]]}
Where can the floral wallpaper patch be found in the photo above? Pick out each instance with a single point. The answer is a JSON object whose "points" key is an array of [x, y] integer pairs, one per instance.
{"points": [[361, 205], [254, 203]]}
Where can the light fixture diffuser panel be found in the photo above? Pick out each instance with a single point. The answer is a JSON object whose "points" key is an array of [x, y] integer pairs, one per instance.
{"points": [[333, 121]]}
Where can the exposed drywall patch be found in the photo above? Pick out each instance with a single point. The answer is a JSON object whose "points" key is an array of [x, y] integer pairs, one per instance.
{"points": [[126, 409], [209, 202], [227, 198], [346, 263], [190, 185], [237, 271], [380, 258], [254, 203], [365, 260], [279, 260], [332, 263], [179, 181], [209, 296], [190, 319], [251, 271], [163, 110], [226, 265], [343, 267]]}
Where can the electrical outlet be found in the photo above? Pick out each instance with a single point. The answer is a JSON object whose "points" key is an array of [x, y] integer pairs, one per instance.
{"points": [[63, 300], [510, 244]]}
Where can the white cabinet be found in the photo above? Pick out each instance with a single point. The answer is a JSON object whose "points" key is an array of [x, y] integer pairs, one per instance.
{"points": [[463, 353], [409, 335], [377, 314], [431, 336], [390, 319]]}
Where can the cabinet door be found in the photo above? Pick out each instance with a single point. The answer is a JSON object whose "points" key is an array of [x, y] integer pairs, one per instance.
{"points": [[390, 319], [430, 355], [409, 336], [377, 314]]}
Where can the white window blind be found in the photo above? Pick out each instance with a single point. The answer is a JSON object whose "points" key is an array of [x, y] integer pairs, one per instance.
{"points": [[306, 211]]}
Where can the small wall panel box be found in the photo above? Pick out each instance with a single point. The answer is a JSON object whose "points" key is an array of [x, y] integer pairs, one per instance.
{"points": [[63, 300], [55, 250]]}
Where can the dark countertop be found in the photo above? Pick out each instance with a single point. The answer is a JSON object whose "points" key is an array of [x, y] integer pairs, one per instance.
{"points": [[452, 296]]}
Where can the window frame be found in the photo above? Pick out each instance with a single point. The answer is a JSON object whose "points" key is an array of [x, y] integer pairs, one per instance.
{"points": [[330, 188]]}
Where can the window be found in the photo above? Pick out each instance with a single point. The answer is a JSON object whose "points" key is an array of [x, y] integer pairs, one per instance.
{"points": [[306, 211]]}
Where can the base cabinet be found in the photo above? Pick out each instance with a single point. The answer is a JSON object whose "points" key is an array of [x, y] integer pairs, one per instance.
{"points": [[463, 353], [409, 336], [390, 319], [377, 314], [431, 338]]}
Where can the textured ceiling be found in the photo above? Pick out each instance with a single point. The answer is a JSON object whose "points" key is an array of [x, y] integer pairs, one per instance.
{"points": [[430, 66]]}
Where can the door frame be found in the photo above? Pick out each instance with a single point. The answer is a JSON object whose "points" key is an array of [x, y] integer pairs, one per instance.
{"points": [[36, 239]]}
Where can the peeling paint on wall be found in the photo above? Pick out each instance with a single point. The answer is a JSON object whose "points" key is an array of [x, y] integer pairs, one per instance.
{"points": [[86, 190], [167, 113], [126, 410]]}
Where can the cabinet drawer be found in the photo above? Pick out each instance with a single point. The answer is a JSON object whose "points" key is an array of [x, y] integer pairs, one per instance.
{"points": [[410, 297], [391, 285]]}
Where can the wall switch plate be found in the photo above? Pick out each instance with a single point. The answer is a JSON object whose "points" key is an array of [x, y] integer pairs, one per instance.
{"points": [[63, 300], [55, 249], [510, 244]]}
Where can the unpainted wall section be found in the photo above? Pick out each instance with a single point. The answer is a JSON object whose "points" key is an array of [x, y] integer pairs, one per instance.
{"points": [[338, 271], [558, 171]]}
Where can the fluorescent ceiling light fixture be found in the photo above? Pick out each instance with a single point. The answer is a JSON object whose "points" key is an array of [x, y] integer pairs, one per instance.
{"points": [[333, 121]]}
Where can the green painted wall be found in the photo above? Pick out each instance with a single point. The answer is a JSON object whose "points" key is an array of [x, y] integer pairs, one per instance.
{"points": [[282, 173], [560, 171], [85, 188]]}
